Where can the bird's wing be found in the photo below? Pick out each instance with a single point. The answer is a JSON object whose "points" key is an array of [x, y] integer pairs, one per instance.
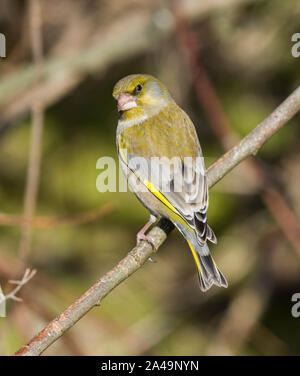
{"points": [[169, 162]]}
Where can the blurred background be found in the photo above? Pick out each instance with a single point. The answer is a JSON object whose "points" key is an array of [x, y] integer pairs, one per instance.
{"points": [[228, 63]]}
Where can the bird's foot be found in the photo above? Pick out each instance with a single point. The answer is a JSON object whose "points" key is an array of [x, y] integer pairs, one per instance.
{"points": [[142, 237]]}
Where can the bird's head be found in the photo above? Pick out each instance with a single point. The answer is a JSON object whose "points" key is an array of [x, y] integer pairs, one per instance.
{"points": [[140, 96]]}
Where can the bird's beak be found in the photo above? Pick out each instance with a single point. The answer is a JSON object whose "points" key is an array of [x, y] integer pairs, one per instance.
{"points": [[126, 102]]}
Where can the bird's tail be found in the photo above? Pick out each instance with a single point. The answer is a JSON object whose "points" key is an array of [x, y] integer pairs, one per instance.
{"points": [[208, 272]]}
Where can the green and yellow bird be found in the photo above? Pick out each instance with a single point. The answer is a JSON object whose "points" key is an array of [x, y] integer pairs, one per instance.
{"points": [[160, 154]]}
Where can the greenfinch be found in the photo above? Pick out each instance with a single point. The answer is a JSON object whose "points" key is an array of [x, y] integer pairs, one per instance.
{"points": [[161, 157]]}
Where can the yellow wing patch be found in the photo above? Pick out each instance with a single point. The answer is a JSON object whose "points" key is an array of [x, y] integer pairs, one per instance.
{"points": [[160, 196], [195, 256]]}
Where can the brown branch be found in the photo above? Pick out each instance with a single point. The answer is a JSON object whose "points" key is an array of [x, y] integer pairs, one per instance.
{"points": [[207, 97], [250, 144], [33, 172], [140, 254], [73, 345], [52, 221], [224, 131]]}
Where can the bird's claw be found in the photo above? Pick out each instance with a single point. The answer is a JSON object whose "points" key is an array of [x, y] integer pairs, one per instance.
{"points": [[148, 239]]}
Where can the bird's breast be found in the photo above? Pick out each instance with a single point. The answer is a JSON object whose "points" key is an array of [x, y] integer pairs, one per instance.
{"points": [[165, 134]]}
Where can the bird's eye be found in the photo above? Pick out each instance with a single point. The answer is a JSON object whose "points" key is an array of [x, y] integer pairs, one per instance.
{"points": [[138, 88]]}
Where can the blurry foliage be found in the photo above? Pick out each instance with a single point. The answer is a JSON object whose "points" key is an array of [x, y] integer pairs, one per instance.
{"points": [[160, 310]]}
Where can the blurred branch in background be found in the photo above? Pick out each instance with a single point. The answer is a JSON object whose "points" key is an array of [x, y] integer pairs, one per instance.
{"points": [[220, 124], [248, 305], [140, 254], [239, 319], [132, 35], [35, 151], [52, 221]]}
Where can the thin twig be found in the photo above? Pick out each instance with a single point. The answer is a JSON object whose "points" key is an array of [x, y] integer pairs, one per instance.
{"points": [[140, 254], [33, 172], [28, 275]]}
